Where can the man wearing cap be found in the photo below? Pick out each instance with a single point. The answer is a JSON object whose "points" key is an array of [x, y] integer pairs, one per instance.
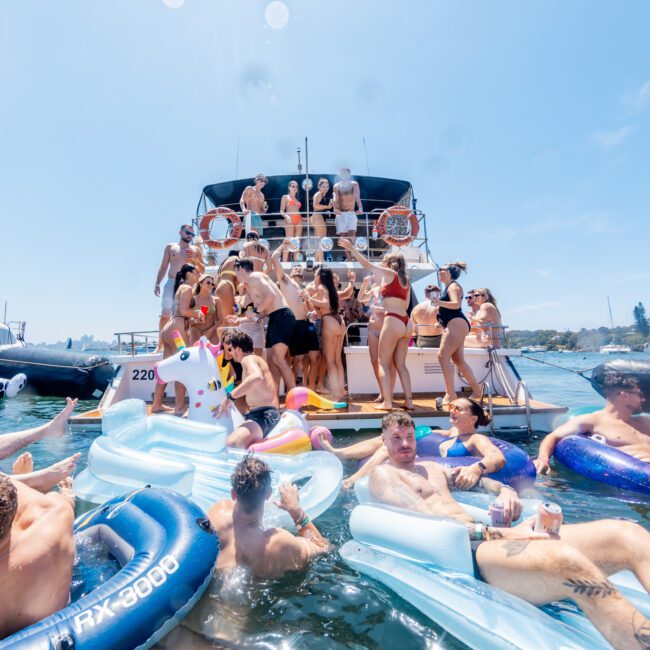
{"points": [[253, 205]]}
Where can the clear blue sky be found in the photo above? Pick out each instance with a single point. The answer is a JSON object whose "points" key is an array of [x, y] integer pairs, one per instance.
{"points": [[524, 128]]}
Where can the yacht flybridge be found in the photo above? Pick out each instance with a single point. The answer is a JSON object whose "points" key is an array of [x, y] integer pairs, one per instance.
{"points": [[391, 222]]}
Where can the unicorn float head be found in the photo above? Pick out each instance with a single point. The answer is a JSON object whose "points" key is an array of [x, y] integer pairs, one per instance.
{"points": [[201, 370]]}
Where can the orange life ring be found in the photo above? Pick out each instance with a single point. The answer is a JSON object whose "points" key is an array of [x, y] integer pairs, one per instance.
{"points": [[235, 228], [386, 226]]}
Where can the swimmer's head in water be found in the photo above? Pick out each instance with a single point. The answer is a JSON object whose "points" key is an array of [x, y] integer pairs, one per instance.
{"points": [[251, 483], [8, 505]]}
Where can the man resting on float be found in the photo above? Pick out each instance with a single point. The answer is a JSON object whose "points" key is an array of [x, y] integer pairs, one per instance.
{"points": [[533, 566], [259, 389], [619, 423]]}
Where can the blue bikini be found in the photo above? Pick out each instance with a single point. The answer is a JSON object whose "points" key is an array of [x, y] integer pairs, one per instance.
{"points": [[457, 449]]}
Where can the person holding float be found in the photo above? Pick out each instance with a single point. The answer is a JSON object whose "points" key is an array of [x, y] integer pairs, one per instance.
{"points": [[259, 389], [455, 329], [397, 328]]}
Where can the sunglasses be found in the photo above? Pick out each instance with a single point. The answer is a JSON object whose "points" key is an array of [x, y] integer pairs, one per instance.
{"points": [[262, 180], [469, 298], [457, 409], [188, 232]]}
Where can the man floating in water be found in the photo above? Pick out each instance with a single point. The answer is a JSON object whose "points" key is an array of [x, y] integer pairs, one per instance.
{"points": [[619, 423], [533, 566]]}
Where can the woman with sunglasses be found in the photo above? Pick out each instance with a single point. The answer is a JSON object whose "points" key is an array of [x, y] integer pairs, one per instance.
{"points": [[464, 416], [184, 314], [323, 205], [397, 327], [204, 300], [290, 209], [487, 317], [455, 329]]}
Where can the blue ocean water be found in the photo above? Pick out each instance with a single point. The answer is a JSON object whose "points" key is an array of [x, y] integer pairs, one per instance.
{"points": [[330, 605]]}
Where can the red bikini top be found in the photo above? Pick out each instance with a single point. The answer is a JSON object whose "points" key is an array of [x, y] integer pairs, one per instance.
{"points": [[395, 290]]}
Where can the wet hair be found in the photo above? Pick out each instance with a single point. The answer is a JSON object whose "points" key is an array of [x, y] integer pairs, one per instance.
{"points": [[250, 482], [244, 263], [181, 276], [615, 382], [455, 269], [326, 278], [241, 340], [431, 288], [396, 418], [8, 505], [482, 416], [395, 262]]}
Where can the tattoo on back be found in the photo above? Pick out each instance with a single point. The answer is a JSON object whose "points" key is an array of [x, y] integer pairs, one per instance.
{"points": [[641, 628], [515, 547], [590, 588]]}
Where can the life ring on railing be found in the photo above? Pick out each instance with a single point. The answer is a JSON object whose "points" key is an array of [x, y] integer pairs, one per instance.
{"points": [[392, 226], [235, 228]]}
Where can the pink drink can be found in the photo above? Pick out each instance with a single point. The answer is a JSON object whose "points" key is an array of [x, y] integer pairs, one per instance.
{"points": [[549, 518], [497, 512], [189, 253]]}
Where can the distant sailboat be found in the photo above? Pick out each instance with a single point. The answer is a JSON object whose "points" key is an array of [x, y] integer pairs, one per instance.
{"points": [[613, 347]]}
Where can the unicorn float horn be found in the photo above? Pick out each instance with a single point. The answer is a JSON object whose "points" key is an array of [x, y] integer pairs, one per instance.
{"points": [[178, 340], [301, 395]]}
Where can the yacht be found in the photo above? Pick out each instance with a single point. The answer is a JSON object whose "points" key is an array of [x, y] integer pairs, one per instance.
{"points": [[615, 348], [392, 223]]}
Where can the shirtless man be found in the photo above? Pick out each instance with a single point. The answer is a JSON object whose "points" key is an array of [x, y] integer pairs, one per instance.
{"points": [[619, 423], [37, 553], [174, 256], [225, 292], [268, 300], [304, 340], [256, 252], [425, 318], [532, 566], [243, 541], [347, 195], [23, 470], [259, 389], [253, 204]]}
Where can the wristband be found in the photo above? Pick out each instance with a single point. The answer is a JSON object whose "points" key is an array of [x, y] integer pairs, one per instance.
{"points": [[229, 396], [482, 466], [303, 522], [478, 531]]}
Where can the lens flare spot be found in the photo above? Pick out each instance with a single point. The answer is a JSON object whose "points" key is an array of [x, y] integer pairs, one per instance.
{"points": [[276, 15], [174, 4]]}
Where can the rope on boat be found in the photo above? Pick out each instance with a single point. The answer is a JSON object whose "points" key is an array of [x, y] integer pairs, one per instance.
{"points": [[580, 373], [53, 365]]}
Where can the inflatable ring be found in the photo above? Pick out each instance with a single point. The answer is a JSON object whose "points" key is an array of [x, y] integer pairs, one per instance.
{"points": [[235, 227], [294, 441], [391, 223]]}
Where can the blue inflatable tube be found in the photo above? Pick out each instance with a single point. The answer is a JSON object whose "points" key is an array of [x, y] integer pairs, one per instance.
{"points": [[600, 462], [166, 550], [519, 471]]}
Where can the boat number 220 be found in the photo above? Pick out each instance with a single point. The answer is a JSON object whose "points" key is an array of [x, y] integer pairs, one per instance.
{"points": [[142, 374]]}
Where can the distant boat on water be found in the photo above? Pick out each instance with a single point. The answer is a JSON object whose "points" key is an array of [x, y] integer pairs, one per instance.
{"points": [[534, 348], [614, 347]]}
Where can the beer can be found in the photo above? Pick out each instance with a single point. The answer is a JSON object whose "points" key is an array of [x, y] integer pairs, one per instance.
{"points": [[497, 512], [549, 518]]}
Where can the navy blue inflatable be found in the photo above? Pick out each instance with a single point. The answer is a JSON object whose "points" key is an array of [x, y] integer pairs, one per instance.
{"points": [[519, 471], [166, 550], [600, 462], [638, 369]]}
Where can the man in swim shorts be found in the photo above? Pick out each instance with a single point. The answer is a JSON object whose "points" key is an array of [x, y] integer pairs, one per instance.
{"points": [[37, 553], [533, 566], [253, 205], [425, 318], [347, 196], [619, 423], [259, 389], [243, 540], [174, 256], [268, 300]]}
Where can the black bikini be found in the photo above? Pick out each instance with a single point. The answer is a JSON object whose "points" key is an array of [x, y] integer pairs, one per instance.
{"points": [[445, 315]]}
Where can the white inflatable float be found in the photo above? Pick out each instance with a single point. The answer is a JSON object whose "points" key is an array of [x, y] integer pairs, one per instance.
{"points": [[428, 562], [11, 387]]}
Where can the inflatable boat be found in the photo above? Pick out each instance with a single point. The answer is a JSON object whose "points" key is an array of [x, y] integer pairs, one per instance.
{"points": [[192, 459], [166, 551], [427, 561], [638, 369]]}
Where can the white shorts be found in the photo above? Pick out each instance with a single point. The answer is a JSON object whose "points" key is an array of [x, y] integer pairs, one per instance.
{"points": [[168, 297], [346, 222]]}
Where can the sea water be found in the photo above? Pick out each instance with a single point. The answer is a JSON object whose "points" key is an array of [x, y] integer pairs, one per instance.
{"points": [[330, 605]]}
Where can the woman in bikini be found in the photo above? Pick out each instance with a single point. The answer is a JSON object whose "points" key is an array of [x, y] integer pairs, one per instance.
{"points": [[397, 328], [204, 300], [464, 416], [326, 303], [455, 329], [184, 314], [257, 252], [290, 209], [247, 319], [488, 318], [323, 205]]}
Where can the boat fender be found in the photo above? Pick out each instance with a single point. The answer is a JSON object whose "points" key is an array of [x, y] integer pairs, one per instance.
{"points": [[11, 387], [235, 228]]}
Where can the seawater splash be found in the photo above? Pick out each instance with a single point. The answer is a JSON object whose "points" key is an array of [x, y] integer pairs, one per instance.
{"points": [[276, 15]]}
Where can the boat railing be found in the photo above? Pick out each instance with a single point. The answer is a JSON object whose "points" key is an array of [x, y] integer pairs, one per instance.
{"points": [[311, 245], [486, 390], [133, 343], [522, 389]]}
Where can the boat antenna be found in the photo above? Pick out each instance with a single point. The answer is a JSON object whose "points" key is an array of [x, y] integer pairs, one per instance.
{"points": [[365, 150], [237, 159], [307, 185], [611, 318], [299, 163], [5, 318]]}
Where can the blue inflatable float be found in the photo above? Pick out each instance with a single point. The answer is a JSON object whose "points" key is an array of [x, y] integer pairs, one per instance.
{"points": [[166, 550], [600, 462], [519, 471]]}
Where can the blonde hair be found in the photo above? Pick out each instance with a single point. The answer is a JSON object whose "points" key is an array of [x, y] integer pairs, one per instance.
{"points": [[487, 294], [395, 262]]}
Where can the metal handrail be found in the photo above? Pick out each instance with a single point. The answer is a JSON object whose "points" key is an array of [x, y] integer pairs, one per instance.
{"points": [[522, 384], [148, 338], [486, 386]]}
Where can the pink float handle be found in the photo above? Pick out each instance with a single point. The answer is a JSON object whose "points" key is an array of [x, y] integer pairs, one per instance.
{"points": [[299, 396]]}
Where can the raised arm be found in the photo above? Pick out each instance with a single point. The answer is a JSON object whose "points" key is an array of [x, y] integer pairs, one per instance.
{"points": [[580, 424], [277, 265]]}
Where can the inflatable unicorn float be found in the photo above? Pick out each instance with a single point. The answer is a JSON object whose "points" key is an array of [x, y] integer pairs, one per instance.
{"points": [[189, 455]]}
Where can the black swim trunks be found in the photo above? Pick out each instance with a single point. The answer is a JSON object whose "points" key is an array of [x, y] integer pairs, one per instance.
{"points": [[280, 327], [428, 341], [474, 544], [304, 338], [266, 416]]}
